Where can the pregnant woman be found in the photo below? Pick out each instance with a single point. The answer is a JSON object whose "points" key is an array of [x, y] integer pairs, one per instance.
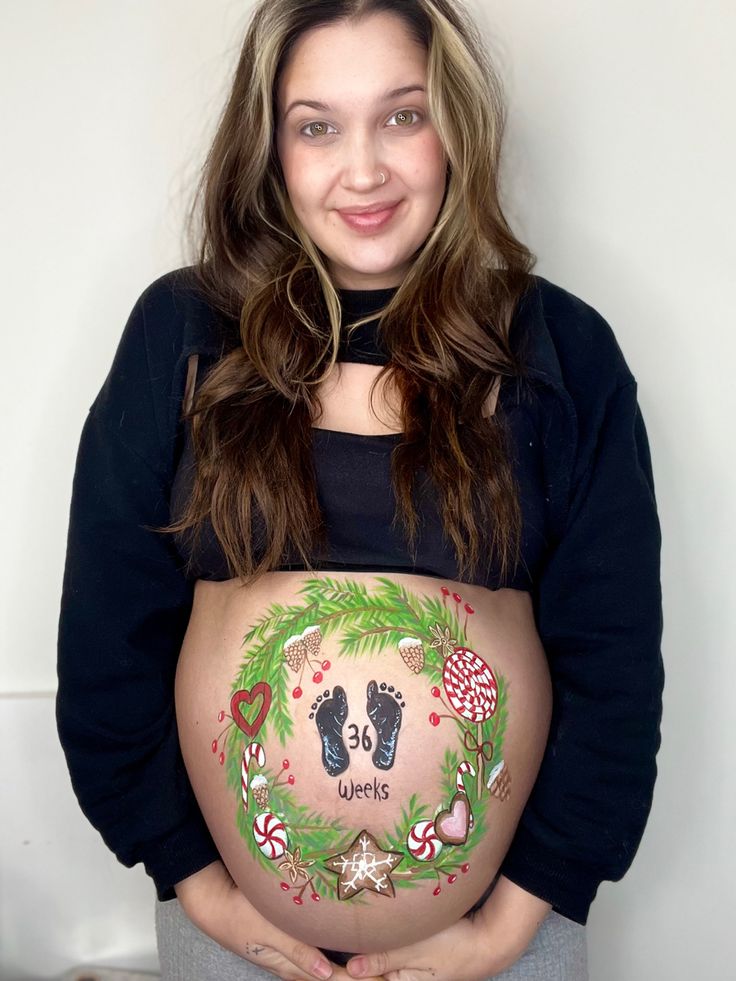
{"points": [[359, 637]]}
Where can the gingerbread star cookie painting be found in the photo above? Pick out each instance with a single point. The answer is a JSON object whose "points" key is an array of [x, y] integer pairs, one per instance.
{"points": [[364, 865]]}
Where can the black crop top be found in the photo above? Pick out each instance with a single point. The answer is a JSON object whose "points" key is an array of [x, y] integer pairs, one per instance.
{"points": [[353, 474]]}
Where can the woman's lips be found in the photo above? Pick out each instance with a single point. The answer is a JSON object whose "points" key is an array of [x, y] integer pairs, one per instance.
{"points": [[369, 222]]}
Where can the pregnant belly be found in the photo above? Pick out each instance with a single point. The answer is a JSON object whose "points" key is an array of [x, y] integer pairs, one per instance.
{"points": [[361, 745]]}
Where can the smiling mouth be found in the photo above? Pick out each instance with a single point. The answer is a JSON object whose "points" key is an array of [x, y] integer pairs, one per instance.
{"points": [[369, 221], [369, 208]]}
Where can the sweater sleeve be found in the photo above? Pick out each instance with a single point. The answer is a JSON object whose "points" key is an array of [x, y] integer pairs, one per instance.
{"points": [[124, 611], [599, 617]]}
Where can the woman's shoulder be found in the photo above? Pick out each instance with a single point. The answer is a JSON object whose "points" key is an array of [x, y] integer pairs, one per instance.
{"points": [[175, 308], [567, 343], [141, 396]]}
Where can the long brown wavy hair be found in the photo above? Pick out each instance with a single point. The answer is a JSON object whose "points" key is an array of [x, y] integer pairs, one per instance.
{"points": [[446, 327]]}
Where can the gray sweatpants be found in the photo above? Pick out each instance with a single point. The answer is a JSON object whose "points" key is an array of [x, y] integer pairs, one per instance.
{"points": [[557, 953]]}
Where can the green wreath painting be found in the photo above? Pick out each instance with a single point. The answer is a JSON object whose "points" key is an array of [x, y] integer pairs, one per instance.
{"points": [[310, 850]]}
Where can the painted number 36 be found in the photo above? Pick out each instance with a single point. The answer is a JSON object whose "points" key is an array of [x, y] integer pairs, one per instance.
{"points": [[355, 739]]}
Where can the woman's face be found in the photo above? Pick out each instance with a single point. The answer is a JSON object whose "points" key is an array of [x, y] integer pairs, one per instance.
{"points": [[332, 156]]}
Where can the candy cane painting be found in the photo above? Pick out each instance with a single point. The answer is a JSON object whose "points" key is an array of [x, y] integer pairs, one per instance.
{"points": [[465, 767], [253, 751]]}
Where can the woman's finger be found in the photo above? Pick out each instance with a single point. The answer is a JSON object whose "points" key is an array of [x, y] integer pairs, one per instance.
{"points": [[308, 959]]}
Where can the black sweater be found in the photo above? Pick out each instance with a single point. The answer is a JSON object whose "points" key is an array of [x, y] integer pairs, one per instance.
{"points": [[593, 573]]}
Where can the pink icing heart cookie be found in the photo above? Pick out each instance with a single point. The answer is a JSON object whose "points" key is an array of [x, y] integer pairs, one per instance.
{"points": [[452, 824]]}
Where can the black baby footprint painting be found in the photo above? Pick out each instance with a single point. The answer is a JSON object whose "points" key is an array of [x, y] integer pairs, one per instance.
{"points": [[384, 711], [330, 716]]}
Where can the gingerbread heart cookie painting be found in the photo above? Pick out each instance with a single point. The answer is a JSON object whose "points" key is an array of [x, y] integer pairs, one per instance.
{"points": [[260, 690], [452, 825], [364, 741]]}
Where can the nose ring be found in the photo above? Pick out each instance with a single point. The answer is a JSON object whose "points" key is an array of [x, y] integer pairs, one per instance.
{"points": [[383, 177]]}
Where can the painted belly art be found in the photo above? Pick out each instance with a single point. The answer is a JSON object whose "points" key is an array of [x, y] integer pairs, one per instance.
{"points": [[356, 731]]}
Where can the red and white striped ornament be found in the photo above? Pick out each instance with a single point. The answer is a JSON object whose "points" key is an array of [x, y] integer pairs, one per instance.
{"points": [[270, 834], [423, 842], [471, 686], [253, 751]]}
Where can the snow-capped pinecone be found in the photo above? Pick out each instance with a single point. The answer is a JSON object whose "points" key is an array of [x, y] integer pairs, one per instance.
{"points": [[259, 789], [295, 652], [501, 786], [312, 638], [412, 652]]}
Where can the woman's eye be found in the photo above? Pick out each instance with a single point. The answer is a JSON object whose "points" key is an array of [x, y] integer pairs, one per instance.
{"points": [[321, 132], [403, 114]]}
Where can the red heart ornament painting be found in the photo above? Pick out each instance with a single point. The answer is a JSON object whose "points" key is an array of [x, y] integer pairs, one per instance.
{"points": [[260, 689], [452, 825]]}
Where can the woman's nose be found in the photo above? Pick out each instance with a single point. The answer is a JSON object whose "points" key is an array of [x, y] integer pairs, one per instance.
{"points": [[362, 163]]}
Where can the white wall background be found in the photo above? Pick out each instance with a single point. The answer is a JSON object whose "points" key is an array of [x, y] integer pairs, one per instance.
{"points": [[620, 160]]}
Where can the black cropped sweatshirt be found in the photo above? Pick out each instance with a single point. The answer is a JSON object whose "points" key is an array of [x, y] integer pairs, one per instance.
{"points": [[590, 552]]}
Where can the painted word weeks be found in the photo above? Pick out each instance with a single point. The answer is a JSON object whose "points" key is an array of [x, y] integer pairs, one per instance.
{"points": [[371, 791]]}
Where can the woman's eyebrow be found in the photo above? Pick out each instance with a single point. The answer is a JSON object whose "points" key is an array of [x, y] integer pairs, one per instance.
{"points": [[323, 107]]}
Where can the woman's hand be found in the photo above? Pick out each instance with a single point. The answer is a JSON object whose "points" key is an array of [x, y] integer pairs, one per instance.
{"points": [[473, 949], [219, 909]]}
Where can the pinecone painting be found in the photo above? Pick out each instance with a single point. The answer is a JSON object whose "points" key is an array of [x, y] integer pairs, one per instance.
{"points": [[259, 789], [412, 652], [499, 782]]}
